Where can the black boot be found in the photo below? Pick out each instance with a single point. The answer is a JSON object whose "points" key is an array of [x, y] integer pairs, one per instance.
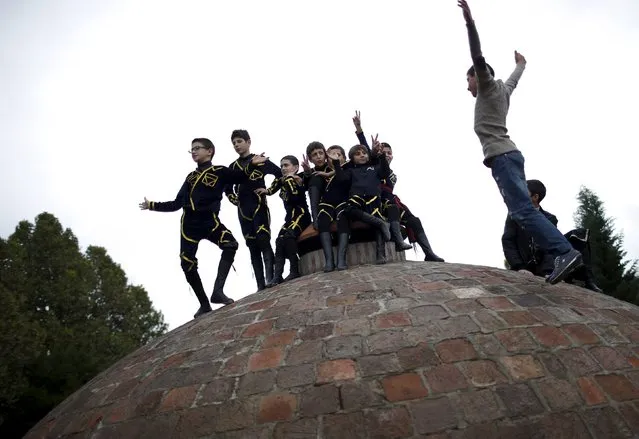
{"points": [[258, 267], [373, 221], [223, 269], [269, 258], [327, 246], [342, 245], [290, 250], [380, 248], [278, 267], [314, 195], [193, 278], [396, 233], [422, 240], [589, 281]]}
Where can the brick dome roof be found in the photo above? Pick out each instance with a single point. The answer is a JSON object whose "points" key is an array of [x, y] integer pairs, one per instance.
{"points": [[400, 350]]}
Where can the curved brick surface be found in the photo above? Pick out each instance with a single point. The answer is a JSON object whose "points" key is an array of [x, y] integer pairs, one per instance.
{"points": [[409, 349]]}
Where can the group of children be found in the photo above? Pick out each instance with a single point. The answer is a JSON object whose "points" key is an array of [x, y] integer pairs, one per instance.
{"points": [[342, 191]]}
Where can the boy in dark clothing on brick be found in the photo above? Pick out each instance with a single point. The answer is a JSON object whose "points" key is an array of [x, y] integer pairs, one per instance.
{"points": [[394, 210], [293, 194], [503, 157], [364, 202], [253, 212], [524, 255], [331, 208], [199, 198], [314, 177]]}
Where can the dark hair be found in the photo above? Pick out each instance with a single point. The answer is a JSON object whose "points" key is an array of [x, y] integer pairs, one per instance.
{"points": [[313, 146], [386, 145], [337, 147], [242, 134], [537, 187], [292, 159], [206, 142], [354, 149], [471, 71]]}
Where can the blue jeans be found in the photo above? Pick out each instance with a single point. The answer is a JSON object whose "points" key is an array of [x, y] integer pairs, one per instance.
{"points": [[508, 172]]}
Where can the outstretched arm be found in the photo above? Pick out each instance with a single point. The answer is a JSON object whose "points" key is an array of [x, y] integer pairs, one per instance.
{"points": [[166, 206], [513, 80], [481, 70]]}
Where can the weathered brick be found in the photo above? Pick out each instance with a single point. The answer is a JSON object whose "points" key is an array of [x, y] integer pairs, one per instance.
{"points": [[336, 370], [236, 365], [518, 318], [281, 338], [161, 425], [605, 422], [418, 334], [149, 403], [433, 415], [529, 300], [238, 347], [319, 400], [265, 359], [544, 316], [293, 376], [314, 332], [360, 394], [581, 334], [386, 423], [578, 362], [275, 311], [277, 407], [358, 310], [347, 346], [353, 326], [256, 382], [347, 425], [618, 387], [342, 299], [303, 428], [217, 390], [427, 313], [196, 422], [550, 336], [386, 341], [257, 329], [241, 319], [631, 416], [519, 399], [488, 321], [292, 320], [263, 304], [459, 326], [419, 356], [305, 352], [496, 303], [403, 387], [479, 406], [431, 286], [378, 364], [179, 398], [487, 344], [590, 391], [564, 315], [609, 333], [482, 373], [522, 367], [463, 306], [459, 349], [392, 320], [559, 394], [553, 365], [328, 314], [609, 358], [445, 378], [516, 340], [123, 389], [175, 360]]}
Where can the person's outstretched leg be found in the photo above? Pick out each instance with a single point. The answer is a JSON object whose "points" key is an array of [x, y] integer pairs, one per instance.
{"points": [[188, 261], [508, 172], [392, 213], [415, 225], [381, 225]]}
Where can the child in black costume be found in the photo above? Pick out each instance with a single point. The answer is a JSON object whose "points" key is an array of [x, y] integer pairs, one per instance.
{"points": [[364, 202], [199, 198], [293, 194], [253, 212]]}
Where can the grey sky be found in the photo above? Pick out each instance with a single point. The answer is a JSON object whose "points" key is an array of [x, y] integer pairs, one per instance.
{"points": [[99, 101]]}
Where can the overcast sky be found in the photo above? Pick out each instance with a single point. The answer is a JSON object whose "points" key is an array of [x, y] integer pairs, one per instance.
{"points": [[100, 100]]}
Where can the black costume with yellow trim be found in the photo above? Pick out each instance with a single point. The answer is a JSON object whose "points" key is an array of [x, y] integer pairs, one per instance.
{"points": [[200, 197], [298, 218], [254, 215]]}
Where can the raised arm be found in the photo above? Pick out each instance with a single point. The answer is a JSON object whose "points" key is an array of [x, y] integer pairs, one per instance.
{"points": [[167, 206], [481, 69], [383, 168], [513, 80]]}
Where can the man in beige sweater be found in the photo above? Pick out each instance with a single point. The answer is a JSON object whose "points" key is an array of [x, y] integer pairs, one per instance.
{"points": [[503, 157]]}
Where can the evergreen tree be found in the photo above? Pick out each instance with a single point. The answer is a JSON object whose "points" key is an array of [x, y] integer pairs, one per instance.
{"points": [[616, 275], [66, 316]]}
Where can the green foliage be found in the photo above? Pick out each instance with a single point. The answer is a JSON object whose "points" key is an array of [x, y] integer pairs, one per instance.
{"points": [[614, 273], [64, 317]]}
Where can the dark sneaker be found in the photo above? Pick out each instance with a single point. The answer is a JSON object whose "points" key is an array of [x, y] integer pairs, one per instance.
{"points": [[220, 298], [203, 310], [564, 265]]}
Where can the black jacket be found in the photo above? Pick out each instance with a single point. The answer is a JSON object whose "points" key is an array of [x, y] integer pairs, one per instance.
{"points": [[520, 249]]}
